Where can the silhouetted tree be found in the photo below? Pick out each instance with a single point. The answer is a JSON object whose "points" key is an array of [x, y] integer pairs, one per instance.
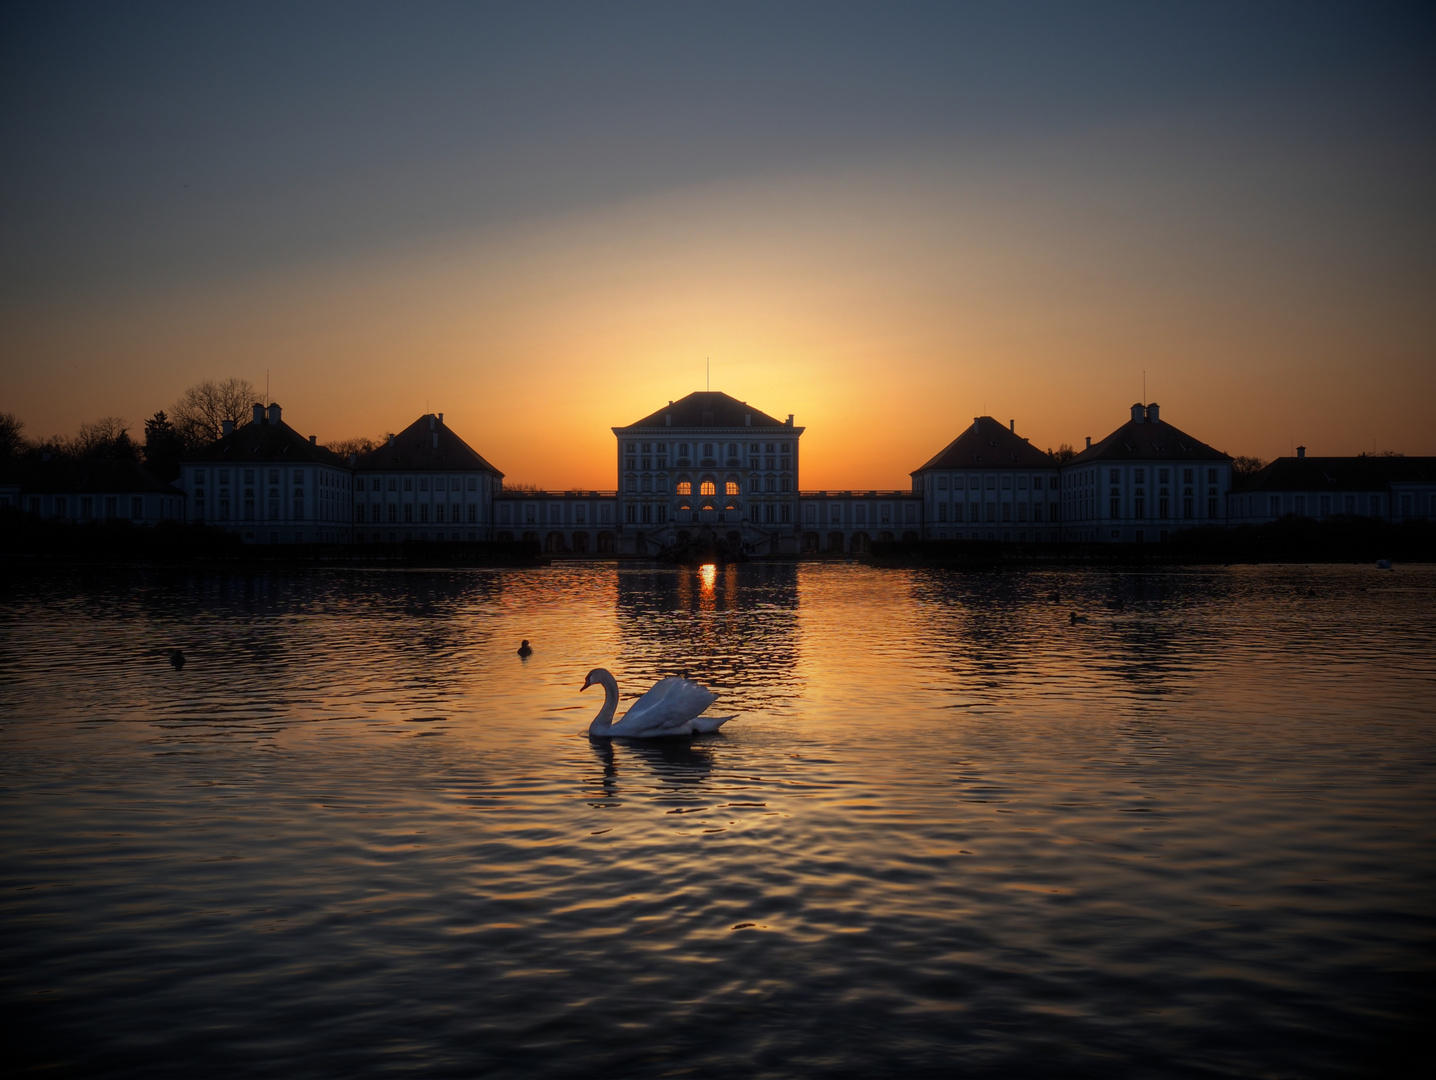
{"points": [[359, 445], [163, 447], [12, 439], [1064, 453], [1245, 466], [200, 412], [108, 437]]}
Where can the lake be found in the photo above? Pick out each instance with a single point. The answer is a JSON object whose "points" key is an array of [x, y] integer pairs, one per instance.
{"points": [[949, 833]]}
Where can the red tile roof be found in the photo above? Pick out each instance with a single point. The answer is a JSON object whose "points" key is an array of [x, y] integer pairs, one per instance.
{"points": [[989, 444]]}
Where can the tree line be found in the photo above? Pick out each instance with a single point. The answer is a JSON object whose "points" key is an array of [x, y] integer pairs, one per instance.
{"points": [[195, 420]]}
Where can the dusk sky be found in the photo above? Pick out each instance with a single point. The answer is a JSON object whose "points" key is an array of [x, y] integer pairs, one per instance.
{"points": [[886, 219]]}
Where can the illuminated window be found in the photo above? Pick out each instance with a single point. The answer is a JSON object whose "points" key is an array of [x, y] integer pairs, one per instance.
{"points": [[708, 488], [707, 506], [731, 487], [685, 488]]}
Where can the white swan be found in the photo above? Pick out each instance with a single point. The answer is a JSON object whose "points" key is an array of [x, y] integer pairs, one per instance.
{"points": [[670, 708]]}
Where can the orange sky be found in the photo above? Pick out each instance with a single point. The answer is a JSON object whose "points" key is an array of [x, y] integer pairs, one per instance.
{"points": [[1273, 281]]}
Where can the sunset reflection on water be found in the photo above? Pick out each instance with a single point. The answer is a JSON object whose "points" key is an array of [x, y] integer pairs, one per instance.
{"points": [[948, 829]]}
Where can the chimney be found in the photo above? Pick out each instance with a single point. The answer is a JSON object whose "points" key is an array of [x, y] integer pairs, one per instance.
{"points": [[441, 418], [391, 440], [1089, 442], [227, 426], [258, 413], [353, 459], [1139, 413], [1301, 451], [273, 413], [431, 421], [1152, 413], [313, 440], [1012, 426], [976, 424], [790, 419], [436, 440]]}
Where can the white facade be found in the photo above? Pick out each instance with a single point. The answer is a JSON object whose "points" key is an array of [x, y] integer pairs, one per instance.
{"points": [[268, 484], [1142, 483]]}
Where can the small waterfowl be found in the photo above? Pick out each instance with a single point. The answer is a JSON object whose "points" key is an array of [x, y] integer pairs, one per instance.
{"points": [[524, 649], [1055, 596], [177, 658], [1073, 619]]}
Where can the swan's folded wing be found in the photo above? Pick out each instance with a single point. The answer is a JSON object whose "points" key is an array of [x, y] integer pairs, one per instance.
{"points": [[670, 704]]}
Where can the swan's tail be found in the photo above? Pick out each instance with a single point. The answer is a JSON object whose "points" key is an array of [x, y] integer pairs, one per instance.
{"points": [[704, 724]]}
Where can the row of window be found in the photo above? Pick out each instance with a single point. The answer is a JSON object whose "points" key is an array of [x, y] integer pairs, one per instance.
{"points": [[1162, 475], [440, 483], [325, 478], [390, 512], [977, 482], [708, 448], [647, 485], [84, 507]]}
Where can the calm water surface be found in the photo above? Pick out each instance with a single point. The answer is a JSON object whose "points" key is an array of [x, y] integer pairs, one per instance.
{"points": [[949, 833]]}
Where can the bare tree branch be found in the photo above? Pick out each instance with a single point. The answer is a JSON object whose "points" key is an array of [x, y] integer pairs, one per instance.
{"points": [[199, 414]]}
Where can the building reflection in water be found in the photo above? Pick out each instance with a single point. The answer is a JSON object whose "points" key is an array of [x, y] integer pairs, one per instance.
{"points": [[734, 628]]}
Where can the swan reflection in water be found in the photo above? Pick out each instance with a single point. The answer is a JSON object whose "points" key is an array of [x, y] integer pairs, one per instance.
{"points": [[672, 763]]}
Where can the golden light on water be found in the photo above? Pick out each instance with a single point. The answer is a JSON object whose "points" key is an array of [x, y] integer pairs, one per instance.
{"points": [[707, 577]]}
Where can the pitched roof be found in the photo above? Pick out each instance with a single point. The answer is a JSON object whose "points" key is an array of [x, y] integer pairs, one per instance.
{"points": [[94, 476], [425, 445], [987, 444], [1149, 440], [267, 442], [708, 409], [1339, 474]]}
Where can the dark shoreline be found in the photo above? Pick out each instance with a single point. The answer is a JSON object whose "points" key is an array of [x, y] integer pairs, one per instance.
{"points": [[27, 542]]}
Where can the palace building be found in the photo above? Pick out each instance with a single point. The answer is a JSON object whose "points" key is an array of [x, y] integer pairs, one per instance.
{"points": [[425, 483], [990, 484], [710, 470], [1142, 482]]}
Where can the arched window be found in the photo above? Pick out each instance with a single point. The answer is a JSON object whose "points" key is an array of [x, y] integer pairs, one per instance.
{"points": [[685, 487], [708, 488], [731, 487]]}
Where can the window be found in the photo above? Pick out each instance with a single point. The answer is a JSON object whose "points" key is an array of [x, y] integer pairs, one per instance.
{"points": [[1139, 507], [956, 511], [1115, 508], [299, 476], [423, 483], [942, 483], [685, 487], [957, 483], [631, 513], [359, 484], [393, 484], [1037, 483], [1187, 506], [408, 483], [992, 511], [992, 483], [1325, 505], [274, 476], [1274, 507], [473, 483], [708, 488], [1211, 476], [731, 487], [1115, 476], [137, 506], [473, 513], [1376, 506], [708, 449], [409, 514], [631, 484], [1162, 507], [630, 447], [1022, 482], [1211, 508], [1139, 476], [942, 511], [1163, 476], [770, 513], [1007, 482]]}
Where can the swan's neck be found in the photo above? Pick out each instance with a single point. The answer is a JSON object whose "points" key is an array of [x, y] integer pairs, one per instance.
{"points": [[604, 719]]}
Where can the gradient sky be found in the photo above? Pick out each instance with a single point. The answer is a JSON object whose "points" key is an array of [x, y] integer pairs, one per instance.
{"points": [[540, 219]]}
